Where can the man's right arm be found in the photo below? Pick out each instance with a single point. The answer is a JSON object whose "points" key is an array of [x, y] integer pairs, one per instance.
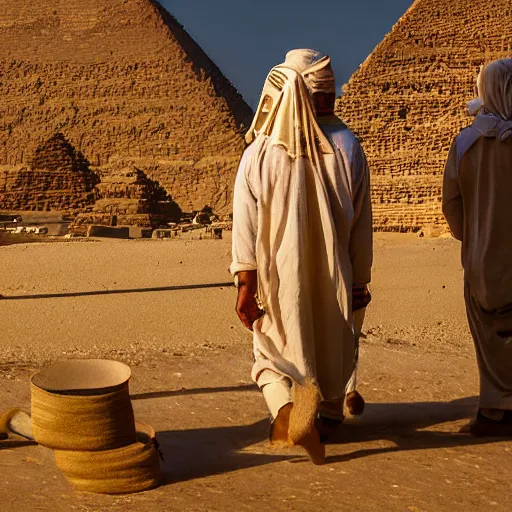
{"points": [[245, 222], [245, 228]]}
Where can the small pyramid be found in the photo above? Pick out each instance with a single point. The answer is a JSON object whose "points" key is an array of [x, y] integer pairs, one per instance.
{"points": [[127, 197], [58, 178], [408, 100], [57, 154]]}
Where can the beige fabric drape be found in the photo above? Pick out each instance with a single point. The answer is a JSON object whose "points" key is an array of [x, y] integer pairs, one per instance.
{"points": [[315, 68], [285, 116]]}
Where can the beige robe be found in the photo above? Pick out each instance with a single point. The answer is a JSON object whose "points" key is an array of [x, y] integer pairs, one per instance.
{"points": [[478, 207], [308, 233]]}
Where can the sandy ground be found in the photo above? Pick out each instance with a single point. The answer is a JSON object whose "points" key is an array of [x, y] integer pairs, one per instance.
{"points": [[165, 308]]}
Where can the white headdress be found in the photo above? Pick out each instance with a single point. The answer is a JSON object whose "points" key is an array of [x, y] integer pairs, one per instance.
{"points": [[285, 113], [315, 68]]}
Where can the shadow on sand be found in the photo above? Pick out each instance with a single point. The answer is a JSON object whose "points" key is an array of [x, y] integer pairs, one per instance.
{"points": [[407, 425], [204, 452], [197, 453], [8, 444], [193, 391], [116, 292]]}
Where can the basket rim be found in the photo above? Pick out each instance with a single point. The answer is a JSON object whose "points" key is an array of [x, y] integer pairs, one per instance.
{"points": [[83, 377]]}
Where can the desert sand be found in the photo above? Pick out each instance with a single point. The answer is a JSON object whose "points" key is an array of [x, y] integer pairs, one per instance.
{"points": [[191, 363]]}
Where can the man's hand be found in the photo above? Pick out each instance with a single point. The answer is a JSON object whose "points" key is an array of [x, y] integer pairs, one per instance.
{"points": [[246, 306], [361, 297]]}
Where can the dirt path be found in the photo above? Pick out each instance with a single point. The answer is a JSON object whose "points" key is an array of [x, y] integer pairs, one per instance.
{"points": [[191, 363]]}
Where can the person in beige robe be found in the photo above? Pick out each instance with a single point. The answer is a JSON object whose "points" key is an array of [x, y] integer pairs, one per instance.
{"points": [[302, 243], [478, 207]]}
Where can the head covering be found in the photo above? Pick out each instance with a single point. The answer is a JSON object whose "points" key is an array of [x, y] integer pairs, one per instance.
{"points": [[285, 113], [494, 102], [315, 68], [495, 88]]}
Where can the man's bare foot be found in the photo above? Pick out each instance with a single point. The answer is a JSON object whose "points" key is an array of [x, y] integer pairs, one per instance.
{"points": [[279, 428], [310, 441], [314, 448], [302, 430]]}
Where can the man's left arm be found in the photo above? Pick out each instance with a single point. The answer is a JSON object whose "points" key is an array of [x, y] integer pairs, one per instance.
{"points": [[244, 265]]}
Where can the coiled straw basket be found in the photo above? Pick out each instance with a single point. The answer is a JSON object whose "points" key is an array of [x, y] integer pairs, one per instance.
{"points": [[83, 405], [132, 468], [82, 409]]}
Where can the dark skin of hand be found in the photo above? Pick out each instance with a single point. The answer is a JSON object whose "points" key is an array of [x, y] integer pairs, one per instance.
{"points": [[246, 305]]}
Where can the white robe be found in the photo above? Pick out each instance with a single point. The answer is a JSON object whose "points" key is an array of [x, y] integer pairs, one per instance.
{"points": [[308, 233]]}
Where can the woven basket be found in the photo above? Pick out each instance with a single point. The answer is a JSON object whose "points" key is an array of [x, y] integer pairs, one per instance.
{"points": [[133, 468], [83, 405]]}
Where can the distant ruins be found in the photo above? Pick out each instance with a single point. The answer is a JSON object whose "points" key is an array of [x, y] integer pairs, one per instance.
{"points": [[128, 198], [407, 101], [121, 81]]}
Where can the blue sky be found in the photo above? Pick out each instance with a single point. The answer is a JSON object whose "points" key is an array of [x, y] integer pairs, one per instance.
{"points": [[245, 38]]}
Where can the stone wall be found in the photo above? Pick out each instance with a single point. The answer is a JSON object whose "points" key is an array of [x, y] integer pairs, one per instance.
{"points": [[120, 79], [25, 189], [407, 101]]}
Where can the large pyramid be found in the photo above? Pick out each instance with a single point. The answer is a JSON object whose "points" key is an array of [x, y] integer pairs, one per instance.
{"points": [[122, 81], [407, 101]]}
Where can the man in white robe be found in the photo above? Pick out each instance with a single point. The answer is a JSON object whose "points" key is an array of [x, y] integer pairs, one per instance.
{"points": [[302, 241]]}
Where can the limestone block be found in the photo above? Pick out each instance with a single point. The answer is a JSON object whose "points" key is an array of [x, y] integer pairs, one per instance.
{"points": [[108, 231]]}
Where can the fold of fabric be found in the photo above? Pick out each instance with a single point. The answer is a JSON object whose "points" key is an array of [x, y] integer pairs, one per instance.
{"points": [[285, 114]]}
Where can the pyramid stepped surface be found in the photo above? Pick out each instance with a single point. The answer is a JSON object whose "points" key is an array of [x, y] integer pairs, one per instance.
{"points": [[121, 79], [58, 179], [408, 101]]}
